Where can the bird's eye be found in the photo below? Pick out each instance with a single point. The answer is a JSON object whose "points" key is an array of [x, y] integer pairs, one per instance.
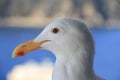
{"points": [[55, 30]]}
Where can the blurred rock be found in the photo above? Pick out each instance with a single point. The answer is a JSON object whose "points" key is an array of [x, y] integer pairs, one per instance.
{"points": [[41, 12], [31, 71]]}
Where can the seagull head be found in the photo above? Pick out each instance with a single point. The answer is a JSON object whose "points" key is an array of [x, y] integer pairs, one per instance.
{"points": [[62, 37]]}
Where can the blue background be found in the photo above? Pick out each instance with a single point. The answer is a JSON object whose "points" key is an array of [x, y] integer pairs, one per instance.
{"points": [[107, 58]]}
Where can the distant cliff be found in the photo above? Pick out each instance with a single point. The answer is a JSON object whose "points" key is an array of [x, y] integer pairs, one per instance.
{"points": [[41, 12]]}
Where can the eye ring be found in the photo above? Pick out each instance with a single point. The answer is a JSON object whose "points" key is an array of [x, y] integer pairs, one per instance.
{"points": [[55, 30]]}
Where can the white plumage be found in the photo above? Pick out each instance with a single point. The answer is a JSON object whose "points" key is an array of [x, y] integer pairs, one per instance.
{"points": [[73, 46]]}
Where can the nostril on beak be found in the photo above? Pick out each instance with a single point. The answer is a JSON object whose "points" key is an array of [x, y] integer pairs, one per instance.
{"points": [[23, 46]]}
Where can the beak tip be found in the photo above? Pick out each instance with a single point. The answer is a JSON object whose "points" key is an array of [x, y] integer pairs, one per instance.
{"points": [[13, 55], [17, 54]]}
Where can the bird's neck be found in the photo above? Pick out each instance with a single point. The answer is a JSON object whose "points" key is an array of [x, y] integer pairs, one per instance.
{"points": [[73, 67]]}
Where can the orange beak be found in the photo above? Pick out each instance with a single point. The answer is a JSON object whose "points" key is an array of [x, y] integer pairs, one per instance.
{"points": [[26, 47]]}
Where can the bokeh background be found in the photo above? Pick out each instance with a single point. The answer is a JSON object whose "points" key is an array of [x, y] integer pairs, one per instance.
{"points": [[22, 20]]}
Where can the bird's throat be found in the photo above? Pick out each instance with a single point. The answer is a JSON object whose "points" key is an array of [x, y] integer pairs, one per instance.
{"points": [[75, 68]]}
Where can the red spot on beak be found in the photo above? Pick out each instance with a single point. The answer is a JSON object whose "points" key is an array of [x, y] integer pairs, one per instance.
{"points": [[21, 53]]}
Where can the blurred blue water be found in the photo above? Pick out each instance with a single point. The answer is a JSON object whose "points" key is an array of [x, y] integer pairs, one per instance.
{"points": [[107, 58]]}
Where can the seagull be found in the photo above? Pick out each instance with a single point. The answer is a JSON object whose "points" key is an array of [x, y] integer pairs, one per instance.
{"points": [[72, 44]]}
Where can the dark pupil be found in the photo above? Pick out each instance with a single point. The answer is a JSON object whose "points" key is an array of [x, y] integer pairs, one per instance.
{"points": [[55, 30]]}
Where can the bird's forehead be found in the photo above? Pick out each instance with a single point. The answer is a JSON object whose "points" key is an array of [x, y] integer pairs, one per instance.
{"points": [[57, 24], [62, 23]]}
